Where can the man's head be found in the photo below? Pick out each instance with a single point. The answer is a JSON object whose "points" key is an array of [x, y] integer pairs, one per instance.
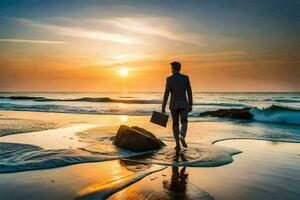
{"points": [[176, 67]]}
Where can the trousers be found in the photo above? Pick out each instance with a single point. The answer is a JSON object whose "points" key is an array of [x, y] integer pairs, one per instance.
{"points": [[181, 114]]}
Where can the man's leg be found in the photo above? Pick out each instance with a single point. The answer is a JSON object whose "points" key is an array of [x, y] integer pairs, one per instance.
{"points": [[184, 123], [175, 117]]}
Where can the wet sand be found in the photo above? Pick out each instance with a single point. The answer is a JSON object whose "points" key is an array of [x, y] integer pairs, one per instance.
{"points": [[60, 138], [264, 169]]}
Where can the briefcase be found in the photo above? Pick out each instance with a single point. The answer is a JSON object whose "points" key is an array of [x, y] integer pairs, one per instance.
{"points": [[160, 119]]}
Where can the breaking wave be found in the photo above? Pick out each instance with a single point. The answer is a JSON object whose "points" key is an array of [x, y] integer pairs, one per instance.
{"points": [[126, 100], [277, 114], [85, 99], [74, 109], [219, 104], [295, 99], [285, 100]]}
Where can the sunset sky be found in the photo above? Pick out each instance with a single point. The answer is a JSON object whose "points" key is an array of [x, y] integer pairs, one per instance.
{"points": [[223, 45]]}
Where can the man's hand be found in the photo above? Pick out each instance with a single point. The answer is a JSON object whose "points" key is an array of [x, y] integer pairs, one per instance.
{"points": [[190, 109], [163, 110]]}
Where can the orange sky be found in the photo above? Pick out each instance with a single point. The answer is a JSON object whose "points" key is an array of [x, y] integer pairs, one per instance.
{"points": [[82, 49]]}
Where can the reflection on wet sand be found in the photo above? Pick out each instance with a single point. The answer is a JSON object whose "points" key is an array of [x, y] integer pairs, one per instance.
{"points": [[178, 182], [168, 184], [118, 183]]}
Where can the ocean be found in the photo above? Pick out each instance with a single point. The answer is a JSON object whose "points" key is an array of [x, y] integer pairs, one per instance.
{"points": [[143, 103]]}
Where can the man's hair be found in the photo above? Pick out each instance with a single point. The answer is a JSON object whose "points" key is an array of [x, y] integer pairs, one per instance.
{"points": [[176, 66]]}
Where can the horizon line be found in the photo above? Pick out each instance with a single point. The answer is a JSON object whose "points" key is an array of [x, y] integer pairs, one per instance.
{"points": [[147, 92]]}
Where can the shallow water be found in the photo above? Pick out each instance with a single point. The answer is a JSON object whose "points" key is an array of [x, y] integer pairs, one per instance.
{"points": [[265, 170], [79, 143], [46, 153], [61, 138]]}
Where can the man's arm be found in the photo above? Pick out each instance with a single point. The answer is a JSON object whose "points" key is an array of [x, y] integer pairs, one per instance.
{"points": [[190, 94], [166, 96]]}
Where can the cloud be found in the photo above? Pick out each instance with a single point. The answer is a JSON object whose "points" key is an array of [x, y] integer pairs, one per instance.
{"points": [[155, 26], [30, 41], [163, 27], [78, 32]]}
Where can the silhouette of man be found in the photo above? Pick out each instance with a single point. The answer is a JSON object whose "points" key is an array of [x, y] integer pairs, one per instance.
{"points": [[180, 104], [178, 182]]}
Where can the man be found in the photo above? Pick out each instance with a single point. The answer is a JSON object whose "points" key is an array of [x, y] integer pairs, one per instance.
{"points": [[180, 104]]}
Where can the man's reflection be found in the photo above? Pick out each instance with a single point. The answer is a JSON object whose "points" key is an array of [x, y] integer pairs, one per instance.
{"points": [[178, 182]]}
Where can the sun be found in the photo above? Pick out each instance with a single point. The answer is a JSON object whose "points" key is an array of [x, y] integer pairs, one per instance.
{"points": [[123, 72]]}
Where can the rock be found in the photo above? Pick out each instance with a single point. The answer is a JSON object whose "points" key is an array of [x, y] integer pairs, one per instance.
{"points": [[144, 131], [230, 113], [136, 139]]}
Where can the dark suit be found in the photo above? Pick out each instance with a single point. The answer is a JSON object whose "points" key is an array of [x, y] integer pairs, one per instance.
{"points": [[181, 99]]}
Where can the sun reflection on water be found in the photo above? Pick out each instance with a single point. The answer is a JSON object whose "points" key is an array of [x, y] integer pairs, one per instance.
{"points": [[124, 118]]}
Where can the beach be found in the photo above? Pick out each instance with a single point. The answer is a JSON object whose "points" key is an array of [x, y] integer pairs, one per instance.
{"points": [[149, 100], [71, 157]]}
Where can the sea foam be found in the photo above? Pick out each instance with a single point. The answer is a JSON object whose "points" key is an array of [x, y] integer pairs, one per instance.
{"points": [[16, 157]]}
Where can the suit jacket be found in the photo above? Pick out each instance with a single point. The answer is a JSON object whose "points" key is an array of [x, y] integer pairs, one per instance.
{"points": [[181, 92]]}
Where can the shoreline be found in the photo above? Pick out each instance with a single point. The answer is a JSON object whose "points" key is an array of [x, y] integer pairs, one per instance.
{"points": [[258, 139]]}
